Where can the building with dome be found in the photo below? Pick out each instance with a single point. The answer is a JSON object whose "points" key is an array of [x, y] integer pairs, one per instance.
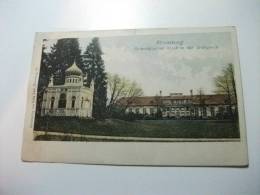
{"points": [[70, 99]]}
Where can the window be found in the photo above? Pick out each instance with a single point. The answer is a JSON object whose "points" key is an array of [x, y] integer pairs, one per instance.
{"points": [[52, 102], [212, 110], [137, 110], [196, 111], [221, 110], [81, 102], [130, 110], [204, 112], [144, 110], [151, 110], [73, 102], [62, 101]]}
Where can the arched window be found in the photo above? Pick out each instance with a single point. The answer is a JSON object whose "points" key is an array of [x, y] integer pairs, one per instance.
{"points": [[62, 100], [81, 102], [73, 102], [52, 102]]}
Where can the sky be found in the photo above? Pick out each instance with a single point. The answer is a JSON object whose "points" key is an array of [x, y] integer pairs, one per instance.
{"points": [[168, 63]]}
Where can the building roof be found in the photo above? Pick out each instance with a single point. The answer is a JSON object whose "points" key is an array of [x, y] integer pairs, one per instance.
{"points": [[210, 99], [214, 99], [176, 97], [140, 101], [74, 70]]}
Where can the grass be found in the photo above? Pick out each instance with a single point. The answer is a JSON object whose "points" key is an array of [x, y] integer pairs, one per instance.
{"points": [[140, 128]]}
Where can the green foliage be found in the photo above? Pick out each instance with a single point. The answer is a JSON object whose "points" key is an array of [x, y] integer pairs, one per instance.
{"points": [[45, 73], [62, 55], [142, 128], [93, 65]]}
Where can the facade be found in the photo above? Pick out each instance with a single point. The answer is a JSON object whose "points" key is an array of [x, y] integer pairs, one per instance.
{"points": [[181, 106], [70, 99]]}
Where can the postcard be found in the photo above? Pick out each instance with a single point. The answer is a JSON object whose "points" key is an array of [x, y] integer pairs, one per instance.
{"points": [[162, 97]]}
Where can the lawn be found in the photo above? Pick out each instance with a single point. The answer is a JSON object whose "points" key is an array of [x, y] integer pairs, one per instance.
{"points": [[141, 128]]}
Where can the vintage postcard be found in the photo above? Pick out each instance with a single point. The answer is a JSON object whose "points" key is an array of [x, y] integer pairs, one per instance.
{"points": [[136, 97]]}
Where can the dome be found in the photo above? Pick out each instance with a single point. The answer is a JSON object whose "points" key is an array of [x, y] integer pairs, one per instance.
{"points": [[74, 70]]}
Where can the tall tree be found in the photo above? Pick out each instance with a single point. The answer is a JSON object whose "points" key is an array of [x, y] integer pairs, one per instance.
{"points": [[62, 55], [43, 81], [225, 84], [93, 65]]}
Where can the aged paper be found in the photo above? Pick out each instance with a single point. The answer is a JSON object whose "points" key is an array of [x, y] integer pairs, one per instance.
{"points": [[136, 97]]}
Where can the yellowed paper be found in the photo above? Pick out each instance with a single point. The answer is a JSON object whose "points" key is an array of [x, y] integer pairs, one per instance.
{"points": [[136, 97]]}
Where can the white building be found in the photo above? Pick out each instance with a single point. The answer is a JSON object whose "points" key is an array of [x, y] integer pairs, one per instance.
{"points": [[180, 106], [70, 99]]}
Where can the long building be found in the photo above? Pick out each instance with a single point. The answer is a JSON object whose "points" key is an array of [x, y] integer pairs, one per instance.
{"points": [[180, 106]]}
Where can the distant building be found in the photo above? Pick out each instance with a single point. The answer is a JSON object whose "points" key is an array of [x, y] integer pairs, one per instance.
{"points": [[70, 99], [177, 105]]}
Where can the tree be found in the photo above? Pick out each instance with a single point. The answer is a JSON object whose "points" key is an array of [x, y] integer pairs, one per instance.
{"points": [[120, 87], [43, 81], [116, 89], [93, 65], [225, 84], [62, 55]]}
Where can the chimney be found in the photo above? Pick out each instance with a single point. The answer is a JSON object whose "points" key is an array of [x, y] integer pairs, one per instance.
{"points": [[191, 92], [176, 94], [160, 92]]}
